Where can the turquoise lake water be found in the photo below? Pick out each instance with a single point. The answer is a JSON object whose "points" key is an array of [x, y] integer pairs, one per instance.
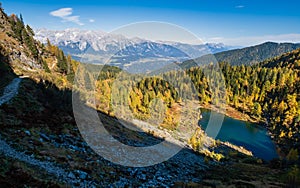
{"points": [[249, 135]]}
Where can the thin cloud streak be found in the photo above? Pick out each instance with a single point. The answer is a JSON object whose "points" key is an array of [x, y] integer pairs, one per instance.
{"points": [[66, 15], [239, 6], [253, 40]]}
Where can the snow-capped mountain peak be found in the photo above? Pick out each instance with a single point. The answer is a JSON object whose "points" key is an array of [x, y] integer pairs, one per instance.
{"points": [[125, 51]]}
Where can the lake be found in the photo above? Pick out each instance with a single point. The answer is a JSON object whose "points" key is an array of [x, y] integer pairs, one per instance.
{"points": [[249, 135]]}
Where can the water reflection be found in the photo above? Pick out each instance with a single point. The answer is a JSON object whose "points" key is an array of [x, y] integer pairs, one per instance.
{"points": [[249, 135]]}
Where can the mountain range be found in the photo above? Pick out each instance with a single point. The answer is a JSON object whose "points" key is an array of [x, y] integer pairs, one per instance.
{"points": [[132, 54], [245, 56], [127, 53]]}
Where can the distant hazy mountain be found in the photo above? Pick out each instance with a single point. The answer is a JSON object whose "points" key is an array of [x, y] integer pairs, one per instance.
{"points": [[246, 56], [99, 47]]}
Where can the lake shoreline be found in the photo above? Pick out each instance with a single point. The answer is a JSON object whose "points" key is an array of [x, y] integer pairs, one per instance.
{"points": [[233, 113], [237, 115]]}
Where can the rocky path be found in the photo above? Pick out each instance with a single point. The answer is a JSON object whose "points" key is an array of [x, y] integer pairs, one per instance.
{"points": [[11, 91], [51, 168], [185, 166]]}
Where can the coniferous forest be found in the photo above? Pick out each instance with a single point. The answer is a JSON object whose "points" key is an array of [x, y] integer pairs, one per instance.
{"points": [[39, 125], [267, 92]]}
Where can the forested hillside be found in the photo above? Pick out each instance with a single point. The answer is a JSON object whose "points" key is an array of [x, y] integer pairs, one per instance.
{"points": [[39, 120], [265, 92], [246, 56], [255, 54], [42, 144], [268, 93], [288, 60]]}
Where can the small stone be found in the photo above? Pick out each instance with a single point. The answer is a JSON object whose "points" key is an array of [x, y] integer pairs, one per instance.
{"points": [[112, 172], [44, 137], [48, 158], [142, 176], [150, 182], [82, 175], [75, 148], [56, 145], [196, 180], [28, 133], [71, 175], [133, 171]]}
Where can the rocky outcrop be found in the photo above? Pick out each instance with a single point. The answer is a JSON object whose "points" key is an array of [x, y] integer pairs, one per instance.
{"points": [[18, 48]]}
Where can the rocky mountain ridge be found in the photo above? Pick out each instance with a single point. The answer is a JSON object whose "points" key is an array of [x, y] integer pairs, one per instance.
{"points": [[133, 54]]}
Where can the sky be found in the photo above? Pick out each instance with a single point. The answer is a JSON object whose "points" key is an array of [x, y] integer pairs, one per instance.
{"points": [[232, 22]]}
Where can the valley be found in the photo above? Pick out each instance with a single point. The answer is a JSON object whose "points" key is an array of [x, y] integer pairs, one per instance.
{"points": [[42, 143]]}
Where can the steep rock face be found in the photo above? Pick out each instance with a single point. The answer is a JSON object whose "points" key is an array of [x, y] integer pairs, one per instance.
{"points": [[18, 48]]}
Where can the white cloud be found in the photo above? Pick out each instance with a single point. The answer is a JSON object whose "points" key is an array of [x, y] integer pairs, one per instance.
{"points": [[239, 6], [91, 20], [74, 19], [63, 12], [253, 40], [66, 15]]}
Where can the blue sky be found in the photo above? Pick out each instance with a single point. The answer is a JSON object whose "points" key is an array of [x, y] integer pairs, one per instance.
{"points": [[233, 22]]}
